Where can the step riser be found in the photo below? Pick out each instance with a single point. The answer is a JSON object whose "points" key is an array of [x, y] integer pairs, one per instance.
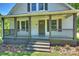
{"points": [[41, 44], [38, 49], [38, 46]]}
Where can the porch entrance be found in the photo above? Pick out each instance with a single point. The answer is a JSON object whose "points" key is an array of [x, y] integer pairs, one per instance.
{"points": [[41, 28]]}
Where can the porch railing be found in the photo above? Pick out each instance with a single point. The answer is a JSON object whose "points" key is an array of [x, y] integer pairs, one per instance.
{"points": [[9, 32], [64, 33]]}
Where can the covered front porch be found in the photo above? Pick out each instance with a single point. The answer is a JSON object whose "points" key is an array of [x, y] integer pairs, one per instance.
{"points": [[39, 26]]}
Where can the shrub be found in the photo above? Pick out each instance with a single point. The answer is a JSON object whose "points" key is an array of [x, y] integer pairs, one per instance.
{"points": [[0, 40]]}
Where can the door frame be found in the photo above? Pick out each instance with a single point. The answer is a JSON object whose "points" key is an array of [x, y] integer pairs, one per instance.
{"points": [[39, 27]]}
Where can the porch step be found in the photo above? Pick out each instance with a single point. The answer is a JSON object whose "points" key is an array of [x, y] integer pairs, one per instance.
{"points": [[38, 46], [38, 49], [40, 43]]}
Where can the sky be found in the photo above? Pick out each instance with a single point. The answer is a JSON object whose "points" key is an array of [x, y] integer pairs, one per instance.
{"points": [[5, 8]]}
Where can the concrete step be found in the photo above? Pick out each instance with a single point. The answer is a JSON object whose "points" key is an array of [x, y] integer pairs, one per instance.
{"points": [[38, 46], [38, 49], [37, 40], [40, 43]]}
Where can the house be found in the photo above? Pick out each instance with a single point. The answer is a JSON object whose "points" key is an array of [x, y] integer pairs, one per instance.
{"points": [[39, 21]]}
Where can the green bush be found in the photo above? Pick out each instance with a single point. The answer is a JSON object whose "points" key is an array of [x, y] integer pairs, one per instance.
{"points": [[0, 40]]}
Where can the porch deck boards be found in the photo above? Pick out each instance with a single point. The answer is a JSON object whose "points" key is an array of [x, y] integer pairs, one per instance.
{"points": [[40, 37]]}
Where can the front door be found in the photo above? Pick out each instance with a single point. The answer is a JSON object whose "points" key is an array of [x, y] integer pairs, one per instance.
{"points": [[42, 28]]}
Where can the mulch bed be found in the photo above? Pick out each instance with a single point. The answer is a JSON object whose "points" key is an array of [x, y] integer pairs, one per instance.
{"points": [[12, 48], [63, 50]]}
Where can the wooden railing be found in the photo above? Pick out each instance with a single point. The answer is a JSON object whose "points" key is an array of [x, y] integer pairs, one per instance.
{"points": [[64, 33], [9, 32]]}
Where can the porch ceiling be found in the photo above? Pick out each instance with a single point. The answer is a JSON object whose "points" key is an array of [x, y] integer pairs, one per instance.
{"points": [[43, 13]]}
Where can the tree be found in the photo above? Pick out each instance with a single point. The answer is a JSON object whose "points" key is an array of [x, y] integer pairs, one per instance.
{"points": [[75, 5], [0, 14]]}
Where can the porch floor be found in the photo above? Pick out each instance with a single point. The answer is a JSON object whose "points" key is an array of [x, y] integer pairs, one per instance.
{"points": [[42, 37]]}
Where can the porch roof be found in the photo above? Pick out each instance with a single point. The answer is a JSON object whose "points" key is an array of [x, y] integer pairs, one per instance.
{"points": [[44, 13]]}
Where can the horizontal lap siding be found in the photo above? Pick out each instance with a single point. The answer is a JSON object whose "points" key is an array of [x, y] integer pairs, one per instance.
{"points": [[57, 7], [21, 8]]}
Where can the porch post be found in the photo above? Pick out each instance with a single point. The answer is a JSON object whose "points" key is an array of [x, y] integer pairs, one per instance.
{"points": [[29, 27], [2, 27], [49, 26], [15, 28], [74, 26]]}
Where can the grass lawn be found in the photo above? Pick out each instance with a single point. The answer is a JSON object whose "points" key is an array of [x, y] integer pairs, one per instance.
{"points": [[29, 54]]}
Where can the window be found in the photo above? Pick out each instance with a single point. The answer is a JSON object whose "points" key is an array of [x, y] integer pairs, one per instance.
{"points": [[60, 25], [18, 25], [27, 26], [23, 25], [28, 7], [48, 25], [41, 6], [33, 6], [53, 25], [46, 6]]}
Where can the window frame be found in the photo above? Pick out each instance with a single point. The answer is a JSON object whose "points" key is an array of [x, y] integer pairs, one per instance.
{"points": [[39, 6], [44, 7], [28, 7], [59, 24], [51, 25], [20, 25], [27, 26], [34, 6], [23, 24]]}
